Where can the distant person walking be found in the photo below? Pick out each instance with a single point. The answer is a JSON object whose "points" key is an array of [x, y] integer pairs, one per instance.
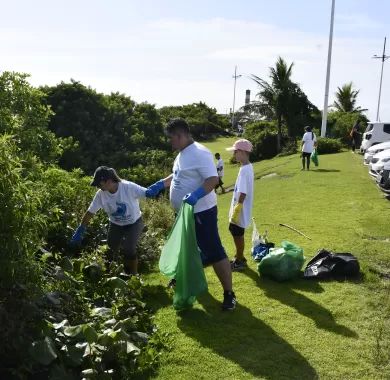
{"points": [[220, 172], [355, 136], [309, 142]]}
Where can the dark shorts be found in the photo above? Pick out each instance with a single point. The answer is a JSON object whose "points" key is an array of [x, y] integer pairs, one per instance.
{"points": [[236, 230], [305, 154], [207, 236], [124, 239]]}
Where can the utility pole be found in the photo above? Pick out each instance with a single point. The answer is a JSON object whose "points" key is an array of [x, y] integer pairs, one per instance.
{"points": [[235, 76], [383, 57], [325, 111]]}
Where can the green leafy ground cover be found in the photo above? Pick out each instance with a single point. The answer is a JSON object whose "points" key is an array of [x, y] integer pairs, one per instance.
{"points": [[299, 329]]}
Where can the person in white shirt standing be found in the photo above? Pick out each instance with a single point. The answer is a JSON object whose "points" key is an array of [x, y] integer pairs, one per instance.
{"points": [[119, 199], [193, 181], [220, 172], [240, 214], [309, 142]]}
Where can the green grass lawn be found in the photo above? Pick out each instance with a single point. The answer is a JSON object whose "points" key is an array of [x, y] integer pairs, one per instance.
{"points": [[299, 329]]}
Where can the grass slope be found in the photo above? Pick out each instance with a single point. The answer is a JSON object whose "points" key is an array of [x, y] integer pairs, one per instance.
{"points": [[299, 329]]}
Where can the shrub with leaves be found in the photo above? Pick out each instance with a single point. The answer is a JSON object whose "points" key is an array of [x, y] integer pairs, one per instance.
{"points": [[92, 324], [326, 145], [21, 223], [263, 136]]}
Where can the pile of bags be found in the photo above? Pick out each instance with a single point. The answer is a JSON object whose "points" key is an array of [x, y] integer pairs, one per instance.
{"points": [[280, 264]]}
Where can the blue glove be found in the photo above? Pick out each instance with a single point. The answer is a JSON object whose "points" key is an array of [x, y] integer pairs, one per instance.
{"points": [[78, 235], [154, 190], [193, 197]]}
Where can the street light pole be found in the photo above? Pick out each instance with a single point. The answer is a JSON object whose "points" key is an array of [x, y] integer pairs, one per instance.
{"points": [[383, 57], [325, 111], [235, 76]]}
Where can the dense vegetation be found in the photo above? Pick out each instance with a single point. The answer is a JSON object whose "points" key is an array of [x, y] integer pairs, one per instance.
{"points": [[67, 313]]}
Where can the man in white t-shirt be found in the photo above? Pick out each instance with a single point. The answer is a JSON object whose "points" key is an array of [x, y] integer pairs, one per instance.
{"points": [[240, 214], [309, 142], [193, 181], [220, 172]]}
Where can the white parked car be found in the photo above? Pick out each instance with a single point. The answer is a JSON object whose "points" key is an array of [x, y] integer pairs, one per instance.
{"points": [[375, 133], [373, 150], [378, 162], [383, 178]]}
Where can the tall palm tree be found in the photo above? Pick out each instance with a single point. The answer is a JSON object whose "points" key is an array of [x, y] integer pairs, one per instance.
{"points": [[274, 95], [346, 98]]}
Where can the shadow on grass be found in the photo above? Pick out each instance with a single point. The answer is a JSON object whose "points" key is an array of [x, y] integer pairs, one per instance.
{"points": [[286, 294], [325, 171], [157, 296], [243, 339]]}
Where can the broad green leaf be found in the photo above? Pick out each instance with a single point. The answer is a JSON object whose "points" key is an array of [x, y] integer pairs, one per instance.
{"points": [[63, 323], [116, 283], [66, 264], [43, 351], [90, 334], [111, 322], [101, 311], [73, 331], [131, 347]]}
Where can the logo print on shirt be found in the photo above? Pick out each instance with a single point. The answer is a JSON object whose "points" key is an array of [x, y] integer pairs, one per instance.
{"points": [[120, 211]]}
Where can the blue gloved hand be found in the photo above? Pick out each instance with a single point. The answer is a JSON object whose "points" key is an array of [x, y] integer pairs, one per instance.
{"points": [[154, 190], [78, 235], [193, 197]]}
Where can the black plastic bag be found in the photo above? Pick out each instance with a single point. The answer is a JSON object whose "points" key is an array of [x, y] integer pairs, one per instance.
{"points": [[332, 265]]}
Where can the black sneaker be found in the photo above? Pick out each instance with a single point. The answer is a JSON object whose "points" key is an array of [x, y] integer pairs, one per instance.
{"points": [[238, 265], [229, 300]]}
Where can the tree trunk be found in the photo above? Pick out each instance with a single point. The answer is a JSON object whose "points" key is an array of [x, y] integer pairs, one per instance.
{"points": [[279, 140]]}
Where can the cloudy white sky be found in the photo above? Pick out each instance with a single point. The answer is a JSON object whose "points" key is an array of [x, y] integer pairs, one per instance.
{"points": [[176, 52]]}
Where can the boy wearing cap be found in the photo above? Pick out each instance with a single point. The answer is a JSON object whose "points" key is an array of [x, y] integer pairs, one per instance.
{"points": [[120, 200], [240, 213]]}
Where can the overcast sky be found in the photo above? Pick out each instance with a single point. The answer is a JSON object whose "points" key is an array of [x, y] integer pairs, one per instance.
{"points": [[177, 52]]}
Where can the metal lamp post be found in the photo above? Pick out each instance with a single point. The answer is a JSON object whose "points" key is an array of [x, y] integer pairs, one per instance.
{"points": [[383, 57], [235, 76], [325, 111]]}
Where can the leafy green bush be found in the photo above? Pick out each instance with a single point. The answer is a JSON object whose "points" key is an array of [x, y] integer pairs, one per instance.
{"points": [[340, 124], [24, 115], [263, 136], [326, 145], [158, 217], [21, 223], [83, 325], [145, 176], [67, 197]]}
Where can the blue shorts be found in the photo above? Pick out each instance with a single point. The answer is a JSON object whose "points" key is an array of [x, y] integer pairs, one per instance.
{"points": [[209, 242]]}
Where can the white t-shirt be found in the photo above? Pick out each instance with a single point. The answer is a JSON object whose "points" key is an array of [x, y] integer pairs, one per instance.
{"points": [[308, 139], [192, 166], [244, 185], [220, 167], [122, 207]]}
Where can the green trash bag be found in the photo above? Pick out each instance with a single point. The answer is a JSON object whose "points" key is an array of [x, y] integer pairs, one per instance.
{"points": [[282, 263], [314, 157], [180, 259]]}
